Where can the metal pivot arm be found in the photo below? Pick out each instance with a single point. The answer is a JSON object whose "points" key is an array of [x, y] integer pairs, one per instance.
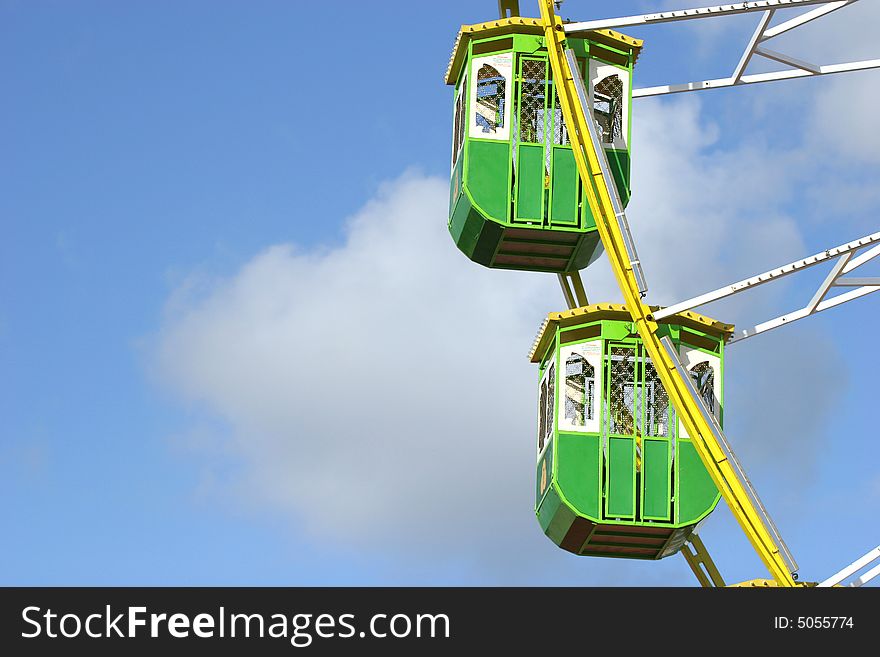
{"points": [[588, 157], [508, 8], [701, 563], [573, 289]]}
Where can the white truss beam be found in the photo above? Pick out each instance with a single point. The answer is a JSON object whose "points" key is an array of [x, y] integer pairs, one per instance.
{"points": [[858, 261], [796, 67], [805, 18], [820, 301], [731, 9], [782, 320], [856, 282], [775, 76], [853, 568], [779, 272], [753, 44], [833, 275], [794, 62]]}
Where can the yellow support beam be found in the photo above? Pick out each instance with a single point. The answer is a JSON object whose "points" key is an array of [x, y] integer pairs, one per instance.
{"points": [[701, 563], [688, 409]]}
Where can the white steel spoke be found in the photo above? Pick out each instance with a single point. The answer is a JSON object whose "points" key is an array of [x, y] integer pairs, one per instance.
{"points": [[753, 43], [797, 68], [853, 568], [782, 320], [779, 272], [804, 18], [856, 282], [774, 76], [689, 14], [828, 282], [787, 59], [858, 261], [847, 260]]}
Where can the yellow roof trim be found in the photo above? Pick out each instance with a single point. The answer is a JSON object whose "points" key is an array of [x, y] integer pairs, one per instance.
{"points": [[521, 25], [618, 311]]}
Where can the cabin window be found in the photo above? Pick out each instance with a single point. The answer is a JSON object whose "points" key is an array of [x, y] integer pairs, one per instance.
{"points": [[704, 379], [621, 404], [542, 415], [580, 384], [560, 131], [531, 101], [609, 95], [459, 121], [551, 400], [608, 108], [490, 89], [657, 404], [546, 407]]}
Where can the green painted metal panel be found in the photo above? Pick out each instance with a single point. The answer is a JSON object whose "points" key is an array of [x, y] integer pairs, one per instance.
{"points": [[655, 479], [476, 236], [563, 202], [455, 185], [612, 330], [486, 177], [548, 508], [560, 523], [696, 494], [589, 248], [620, 499], [578, 472], [465, 225], [544, 476], [530, 182], [618, 160]]}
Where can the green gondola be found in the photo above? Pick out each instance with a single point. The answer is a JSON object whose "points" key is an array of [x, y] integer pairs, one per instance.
{"points": [[516, 200], [617, 476]]}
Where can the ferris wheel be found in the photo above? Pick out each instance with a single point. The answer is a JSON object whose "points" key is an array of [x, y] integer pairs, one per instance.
{"points": [[631, 452]]}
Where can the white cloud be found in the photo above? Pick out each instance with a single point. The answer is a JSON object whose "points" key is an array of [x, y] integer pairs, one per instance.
{"points": [[379, 392]]}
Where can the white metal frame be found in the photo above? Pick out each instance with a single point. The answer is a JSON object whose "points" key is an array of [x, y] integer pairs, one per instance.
{"points": [[872, 557], [795, 67], [847, 261]]}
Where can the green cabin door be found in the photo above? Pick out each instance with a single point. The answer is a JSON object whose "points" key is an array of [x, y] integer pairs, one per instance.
{"points": [[564, 178], [529, 168], [620, 446], [546, 183], [638, 429], [656, 450]]}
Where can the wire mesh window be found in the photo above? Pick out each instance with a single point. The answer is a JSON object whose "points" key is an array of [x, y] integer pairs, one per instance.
{"points": [[560, 131], [657, 415], [533, 83], [491, 89], [458, 128], [621, 404], [542, 415], [551, 400], [608, 108], [580, 383], [704, 379]]}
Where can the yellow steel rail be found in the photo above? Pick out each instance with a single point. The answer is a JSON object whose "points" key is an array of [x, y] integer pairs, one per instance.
{"points": [[688, 408], [701, 563]]}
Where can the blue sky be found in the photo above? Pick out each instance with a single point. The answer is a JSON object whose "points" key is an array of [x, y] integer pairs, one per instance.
{"points": [[207, 204]]}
